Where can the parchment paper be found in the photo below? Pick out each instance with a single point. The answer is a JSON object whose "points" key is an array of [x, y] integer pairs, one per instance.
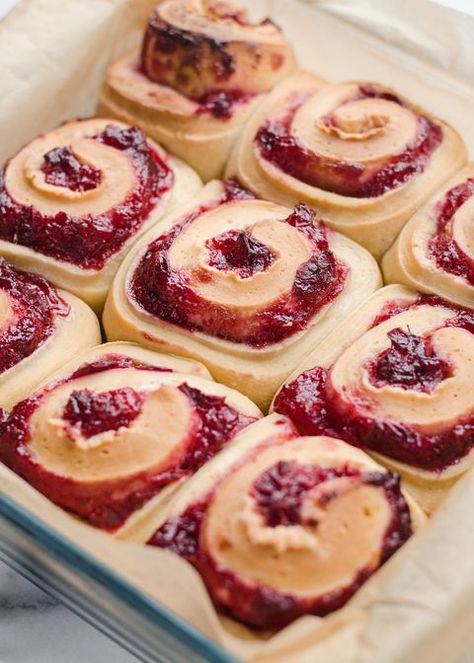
{"points": [[53, 55]]}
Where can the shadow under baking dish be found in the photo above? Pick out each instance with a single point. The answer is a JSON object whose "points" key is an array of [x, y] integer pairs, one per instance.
{"points": [[140, 624]]}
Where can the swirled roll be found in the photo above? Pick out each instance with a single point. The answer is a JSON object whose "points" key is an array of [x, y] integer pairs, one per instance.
{"points": [[434, 252], [246, 286], [110, 436], [360, 154], [202, 70], [73, 201], [397, 381], [40, 328], [280, 526]]}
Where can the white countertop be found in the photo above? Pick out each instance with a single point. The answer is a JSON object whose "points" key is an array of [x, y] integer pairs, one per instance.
{"points": [[35, 628]]}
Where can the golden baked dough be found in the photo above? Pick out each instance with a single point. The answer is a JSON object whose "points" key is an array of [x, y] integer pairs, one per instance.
{"points": [[362, 156], [280, 526], [397, 380], [40, 329], [74, 200], [202, 70], [246, 286], [434, 252], [112, 434]]}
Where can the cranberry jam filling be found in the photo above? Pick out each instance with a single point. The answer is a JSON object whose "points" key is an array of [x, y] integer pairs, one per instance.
{"points": [[277, 145], [277, 494], [36, 306], [239, 251], [91, 413], [447, 253], [221, 104], [89, 241], [108, 504], [156, 286], [410, 363], [62, 168], [315, 409]]}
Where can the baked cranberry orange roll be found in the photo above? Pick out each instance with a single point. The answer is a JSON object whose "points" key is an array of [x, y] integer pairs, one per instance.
{"points": [[74, 200], [360, 154], [202, 70], [435, 250], [280, 526], [40, 329], [246, 286], [112, 434], [396, 380]]}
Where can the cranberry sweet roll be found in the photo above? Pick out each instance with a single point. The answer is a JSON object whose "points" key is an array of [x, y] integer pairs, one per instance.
{"points": [[359, 153], [73, 201], [40, 329], [435, 250], [280, 526], [111, 436], [397, 380], [202, 70], [246, 286]]}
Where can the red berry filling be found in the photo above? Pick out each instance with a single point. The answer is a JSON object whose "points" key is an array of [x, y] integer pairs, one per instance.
{"points": [[157, 287], [62, 168], [89, 241], [277, 145], [36, 305]]}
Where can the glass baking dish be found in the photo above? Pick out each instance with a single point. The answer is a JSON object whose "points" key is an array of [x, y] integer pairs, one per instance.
{"points": [[137, 622], [121, 611]]}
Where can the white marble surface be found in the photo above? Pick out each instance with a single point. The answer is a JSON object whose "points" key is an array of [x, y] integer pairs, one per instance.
{"points": [[34, 628]]}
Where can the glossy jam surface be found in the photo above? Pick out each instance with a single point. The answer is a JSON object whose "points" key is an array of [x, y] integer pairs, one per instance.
{"points": [[61, 167], [240, 252], [108, 504], [91, 413], [157, 288], [88, 241], [316, 409], [411, 362], [36, 306], [278, 146], [447, 253], [276, 490]]}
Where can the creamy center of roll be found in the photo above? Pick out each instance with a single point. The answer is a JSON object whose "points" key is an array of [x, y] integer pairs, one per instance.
{"points": [[315, 538], [334, 126], [110, 172], [110, 425], [431, 411], [288, 247]]}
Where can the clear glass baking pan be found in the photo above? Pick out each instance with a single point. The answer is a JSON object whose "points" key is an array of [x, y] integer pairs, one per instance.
{"points": [[137, 622], [119, 609]]}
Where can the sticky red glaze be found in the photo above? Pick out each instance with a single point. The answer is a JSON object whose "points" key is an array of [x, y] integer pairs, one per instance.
{"points": [[317, 409], [108, 504], [156, 288], [62, 168], [239, 251], [279, 147], [447, 253], [411, 362], [90, 413], [36, 306], [88, 241], [257, 605]]}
